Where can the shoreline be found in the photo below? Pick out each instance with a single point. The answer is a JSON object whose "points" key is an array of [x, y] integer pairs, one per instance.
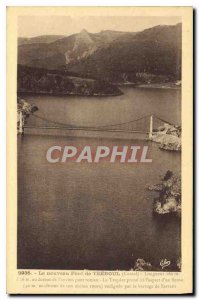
{"points": [[67, 94], [159, 86], [168, 85], [101, 95]]}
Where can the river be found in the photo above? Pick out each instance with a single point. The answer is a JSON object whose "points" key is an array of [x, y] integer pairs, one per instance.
{"points": [[95, 216]]}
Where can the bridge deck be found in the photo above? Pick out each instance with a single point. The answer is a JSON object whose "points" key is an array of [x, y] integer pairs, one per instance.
{"points": [[88, 129], [142, 127], [98, 134]]}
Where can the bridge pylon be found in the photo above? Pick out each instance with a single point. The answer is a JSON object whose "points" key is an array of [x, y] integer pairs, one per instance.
{"points": [[21, 125], [151, 128]]}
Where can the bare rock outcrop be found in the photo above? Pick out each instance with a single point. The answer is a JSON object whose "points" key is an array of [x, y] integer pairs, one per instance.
{"points": [[168, 136], [169, 200]]}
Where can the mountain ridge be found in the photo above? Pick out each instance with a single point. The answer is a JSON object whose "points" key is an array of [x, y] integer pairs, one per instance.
{"points": [[112, 55], [39, 39]]}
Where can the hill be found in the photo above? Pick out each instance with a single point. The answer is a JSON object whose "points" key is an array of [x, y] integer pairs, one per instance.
{"points": [[39, 39], [41, 81], [153, 55], [58, 54]]}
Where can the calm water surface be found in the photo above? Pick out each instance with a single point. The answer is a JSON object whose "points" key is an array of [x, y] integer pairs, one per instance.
{"points": [[94, 216]]}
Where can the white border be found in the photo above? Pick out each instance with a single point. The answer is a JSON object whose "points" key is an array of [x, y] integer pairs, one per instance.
{"points": [[3, 4]]}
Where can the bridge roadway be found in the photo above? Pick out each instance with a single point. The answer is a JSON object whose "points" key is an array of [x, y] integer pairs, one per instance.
{"points": [[87, 129], [50, 127], [82, 133]]}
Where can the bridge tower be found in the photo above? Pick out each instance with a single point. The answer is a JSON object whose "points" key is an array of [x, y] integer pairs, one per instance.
{"points": [[151, 128], [21, 129]]}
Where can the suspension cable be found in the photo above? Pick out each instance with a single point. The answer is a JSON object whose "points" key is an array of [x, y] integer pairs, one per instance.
{"points": [[102, 126]]}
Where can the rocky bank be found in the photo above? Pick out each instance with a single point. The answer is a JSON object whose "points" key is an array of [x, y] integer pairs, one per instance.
{"points": [[168, 136], [169, 200], [26, 109]]}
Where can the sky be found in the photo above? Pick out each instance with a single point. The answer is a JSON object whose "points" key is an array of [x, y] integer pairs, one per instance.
{"points": [[30, 26]]}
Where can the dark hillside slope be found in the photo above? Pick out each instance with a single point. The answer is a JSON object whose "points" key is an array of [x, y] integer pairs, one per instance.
{"points": [[153, 55], [155, 51]]}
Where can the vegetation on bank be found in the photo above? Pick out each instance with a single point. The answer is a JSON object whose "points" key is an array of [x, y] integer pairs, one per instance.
{"points": [[168, 203], [24, 109], [42, 81], [169, 200]]}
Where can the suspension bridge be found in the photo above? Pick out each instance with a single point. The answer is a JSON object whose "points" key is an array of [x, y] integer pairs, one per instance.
{"points": [[144, 125]]}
